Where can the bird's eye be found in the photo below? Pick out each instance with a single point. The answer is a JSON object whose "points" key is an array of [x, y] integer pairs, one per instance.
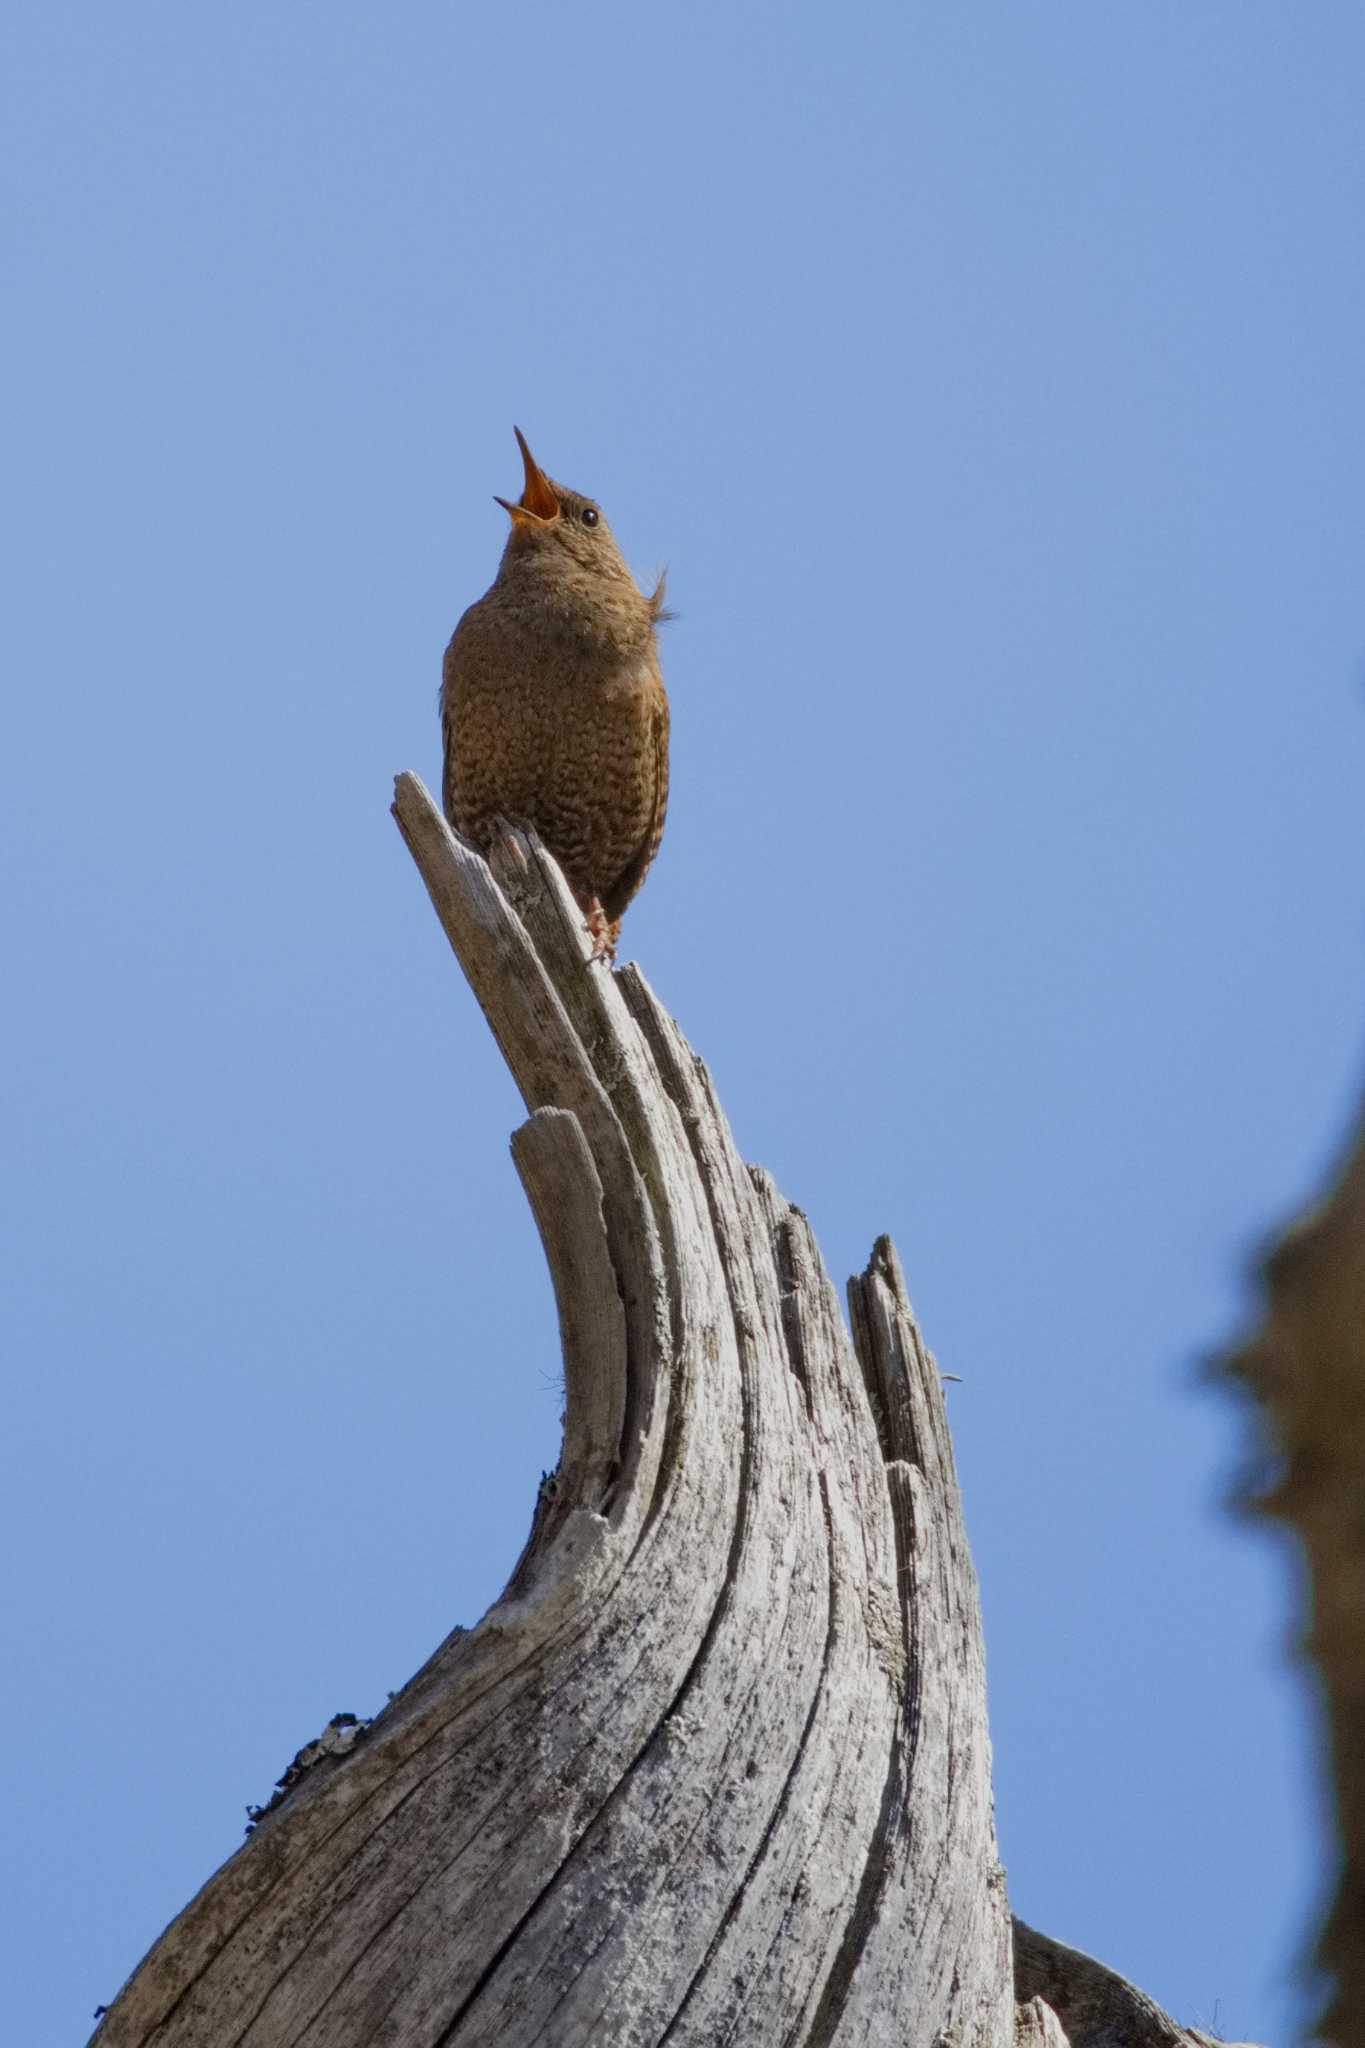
{"points": [[589, 515]]}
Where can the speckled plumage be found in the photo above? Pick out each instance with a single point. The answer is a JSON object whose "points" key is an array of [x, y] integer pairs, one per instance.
{"points": [[553, 710]]}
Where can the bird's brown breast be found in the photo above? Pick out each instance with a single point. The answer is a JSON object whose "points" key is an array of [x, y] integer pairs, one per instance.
{"points": [[563, 730]]}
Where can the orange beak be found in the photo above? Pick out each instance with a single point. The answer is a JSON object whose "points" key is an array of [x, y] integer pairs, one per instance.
{"points": [[538, 505]]}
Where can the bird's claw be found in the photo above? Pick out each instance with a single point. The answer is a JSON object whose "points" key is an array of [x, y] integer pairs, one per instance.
{"points": [[603, 933], [510, 840]]}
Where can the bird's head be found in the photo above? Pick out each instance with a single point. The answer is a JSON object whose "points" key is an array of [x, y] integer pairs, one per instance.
{"points": [[560, 530]]}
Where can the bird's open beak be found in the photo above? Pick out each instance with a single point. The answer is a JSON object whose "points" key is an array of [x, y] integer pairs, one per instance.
{"points": [[538, 505]]}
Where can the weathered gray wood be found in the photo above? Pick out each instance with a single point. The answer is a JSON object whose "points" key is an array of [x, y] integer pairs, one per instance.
{"points": [[715, 1768], [1060, 1988], [1037, 2026], [565, 1194], [1305, 1362]]}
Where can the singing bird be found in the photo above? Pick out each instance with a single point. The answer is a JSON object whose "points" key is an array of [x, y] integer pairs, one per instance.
{"points": [[553, 712]]}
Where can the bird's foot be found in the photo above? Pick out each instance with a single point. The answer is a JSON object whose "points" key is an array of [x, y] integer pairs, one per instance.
{"points": [[602, 930], [510, 840]]}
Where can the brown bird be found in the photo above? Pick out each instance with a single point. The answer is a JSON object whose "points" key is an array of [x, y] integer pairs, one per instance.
{"points": [[553, 710]]}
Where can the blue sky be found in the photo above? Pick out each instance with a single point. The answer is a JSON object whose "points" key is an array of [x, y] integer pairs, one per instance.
{"points": [[989, 379]]}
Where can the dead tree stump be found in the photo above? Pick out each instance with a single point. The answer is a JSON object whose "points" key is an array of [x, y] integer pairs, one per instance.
{"points": [[715, 1768]]}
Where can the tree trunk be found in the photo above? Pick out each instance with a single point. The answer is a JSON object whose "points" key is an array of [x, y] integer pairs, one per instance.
{"points": [[715, 1768]]}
